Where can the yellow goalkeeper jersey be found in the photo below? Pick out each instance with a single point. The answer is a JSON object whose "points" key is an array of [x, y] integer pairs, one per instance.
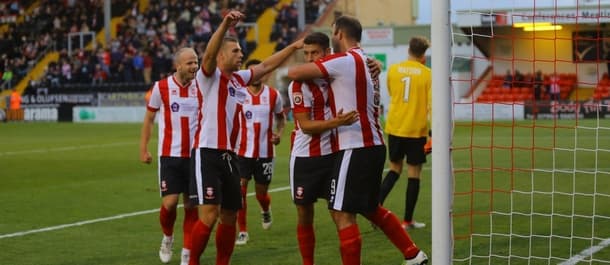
{"points": [[410, 90]]}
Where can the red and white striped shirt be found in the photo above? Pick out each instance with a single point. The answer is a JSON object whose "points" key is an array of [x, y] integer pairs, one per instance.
{"points": [[220, 101], [179, 107], [257, 121], [354, 89], [314, 98]]}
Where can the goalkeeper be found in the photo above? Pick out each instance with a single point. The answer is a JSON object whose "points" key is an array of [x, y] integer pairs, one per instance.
{"points": [[409, 86]]}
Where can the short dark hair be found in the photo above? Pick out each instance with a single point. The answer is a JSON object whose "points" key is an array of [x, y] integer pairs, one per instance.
{"points": [[252, 62], [317, 38], [418, 46], [350, 26], [229, 38]]}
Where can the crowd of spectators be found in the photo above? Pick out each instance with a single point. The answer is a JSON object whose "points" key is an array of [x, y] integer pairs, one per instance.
{"points": [[145, 41], [285, 29], [43, 29]]}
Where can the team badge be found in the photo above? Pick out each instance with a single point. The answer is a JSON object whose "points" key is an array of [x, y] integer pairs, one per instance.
{"points": [[209, 193], [175, 107], [299, 193], [248, 114], [231, 91], [297, 98]]}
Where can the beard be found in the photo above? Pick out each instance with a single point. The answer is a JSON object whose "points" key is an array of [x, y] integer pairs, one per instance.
{"points": [[336, 46]]}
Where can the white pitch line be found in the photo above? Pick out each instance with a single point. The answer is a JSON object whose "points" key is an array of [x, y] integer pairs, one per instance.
{"points": [[110, 218], [586, 253], [66, 148]]}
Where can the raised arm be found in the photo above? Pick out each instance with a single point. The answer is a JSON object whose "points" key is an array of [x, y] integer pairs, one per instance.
{"points": [[274, 61], [304, 72], [209, 56]]}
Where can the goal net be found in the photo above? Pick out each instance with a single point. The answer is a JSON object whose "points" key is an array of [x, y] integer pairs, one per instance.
{"points": [[531, 140]]}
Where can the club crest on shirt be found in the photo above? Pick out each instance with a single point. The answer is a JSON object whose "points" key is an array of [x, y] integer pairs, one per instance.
{"points": [[209, 193], [297, 98], [231, 91], [248, 114], [175, 107]]}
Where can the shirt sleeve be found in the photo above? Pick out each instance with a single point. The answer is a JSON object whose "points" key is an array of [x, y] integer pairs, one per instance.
{"points": [[295, 94], [333, 65], [245, 75], [205, 81], [155, 102]]}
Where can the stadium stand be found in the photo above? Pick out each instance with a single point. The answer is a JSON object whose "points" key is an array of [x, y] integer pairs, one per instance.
{"points": [[140, 52], [44, 28], [521, 90], [602, 90]]}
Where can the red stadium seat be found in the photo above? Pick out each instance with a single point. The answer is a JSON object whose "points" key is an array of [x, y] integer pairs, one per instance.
{"points": [[484, 98]]}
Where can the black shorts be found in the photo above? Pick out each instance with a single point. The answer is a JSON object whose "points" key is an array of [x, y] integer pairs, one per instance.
{"points": [[412, 148], [174, 175], [356, 178], [260, 168], [215, 178], [310, 178]]}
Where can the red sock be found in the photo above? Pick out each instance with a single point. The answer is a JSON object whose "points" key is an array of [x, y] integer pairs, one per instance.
{"points": [[307, 243], [351, 244], [241, 214], [200, 235], [264, 200], [225, 242], [190, 217], [167, 219], [390, 225]]}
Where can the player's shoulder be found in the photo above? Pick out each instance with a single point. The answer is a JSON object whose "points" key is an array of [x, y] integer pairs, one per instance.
{"points": [[333, 56], [272, 90], [297, 85], [162, 84]]}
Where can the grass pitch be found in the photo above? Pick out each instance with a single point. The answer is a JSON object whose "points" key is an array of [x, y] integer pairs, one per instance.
{"points": [[77, 194]]}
